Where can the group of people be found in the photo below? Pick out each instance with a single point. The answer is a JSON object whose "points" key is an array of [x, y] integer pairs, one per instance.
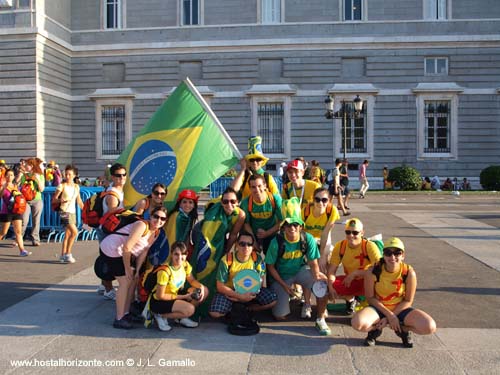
{"points": [[284, 238]]}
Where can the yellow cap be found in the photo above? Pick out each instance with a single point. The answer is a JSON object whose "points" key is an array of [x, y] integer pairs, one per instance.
{"points": [[395, 243], [354, 224]]}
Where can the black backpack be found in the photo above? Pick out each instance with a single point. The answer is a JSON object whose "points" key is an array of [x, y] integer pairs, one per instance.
{"points": [[150, 280], [241, 322]]}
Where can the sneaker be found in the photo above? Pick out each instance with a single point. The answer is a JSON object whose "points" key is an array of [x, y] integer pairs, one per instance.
{"points": [[36, 243], [406, 338], [188, 323], [306, 311], [122, 323], [100, 289], [350, 306], [372, 336], [162, 323], [63, 259], [24, 253], [111, 295], [70, 259], [322, 327]]}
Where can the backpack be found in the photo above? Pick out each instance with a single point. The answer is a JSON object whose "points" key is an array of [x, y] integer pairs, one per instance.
{"points": [[281, 244], [250, 204], [230, 257], [151, 278], [28, 189], [241, 322], [364, 243], [93, 208], [114, 220], [17, 203], [267, 178], [307, 212], [377, 271]]}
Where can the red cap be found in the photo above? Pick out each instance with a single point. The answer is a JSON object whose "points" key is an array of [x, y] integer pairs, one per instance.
{"points": [[188, 194], [296, 164]]}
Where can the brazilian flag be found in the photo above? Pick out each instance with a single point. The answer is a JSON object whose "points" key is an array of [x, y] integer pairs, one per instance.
{"points": [[183, 146]]}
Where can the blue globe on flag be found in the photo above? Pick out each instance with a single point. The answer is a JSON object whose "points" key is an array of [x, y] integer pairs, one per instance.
{"points": [[154, 161]]}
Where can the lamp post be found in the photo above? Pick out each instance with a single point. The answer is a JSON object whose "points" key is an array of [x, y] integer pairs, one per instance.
{"points": [[343, 113]]}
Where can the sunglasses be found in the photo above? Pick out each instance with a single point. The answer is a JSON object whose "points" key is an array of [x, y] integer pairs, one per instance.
{"points": [[295, 225], [253, 160], [324, 200], [244, 244], [388, 253], [119, 175], [159, 193], [158, 217], [353, 232], [227, 201]]}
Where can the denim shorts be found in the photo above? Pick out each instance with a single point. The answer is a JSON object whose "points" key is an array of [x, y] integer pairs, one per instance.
{"points": [[401, 315]]}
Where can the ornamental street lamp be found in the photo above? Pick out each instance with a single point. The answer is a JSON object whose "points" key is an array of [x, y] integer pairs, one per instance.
{"points": [[345, 112]]}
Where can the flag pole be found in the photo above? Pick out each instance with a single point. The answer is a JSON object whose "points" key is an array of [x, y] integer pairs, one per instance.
{"points": [[207, 108]]}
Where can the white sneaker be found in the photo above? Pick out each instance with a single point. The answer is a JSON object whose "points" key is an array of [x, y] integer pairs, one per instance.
{"points": [[100, 289], [162, 323], [111, 295], [188, 323], [322, 327], [70, 259], [306, 311]]}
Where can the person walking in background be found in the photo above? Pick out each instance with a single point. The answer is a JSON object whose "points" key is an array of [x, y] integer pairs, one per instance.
{"points": [[344, 183], [363, 180], [7, 191], [68, 195], [32, 174]]}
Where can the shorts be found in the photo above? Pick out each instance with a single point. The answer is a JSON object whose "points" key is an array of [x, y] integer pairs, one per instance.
{"points": [[401, 315], [303, 278], [332, 190], [161, 307], [222, 305], [8, 218], [346, 190], [356, 288], [67, 218], [115, 265]]}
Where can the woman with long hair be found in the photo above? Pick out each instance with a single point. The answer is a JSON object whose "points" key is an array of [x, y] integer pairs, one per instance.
{"points": [[124, 253], [319, 219], [68, 195], [182, 218], [7, 191], [31, 173], [146, 205]]}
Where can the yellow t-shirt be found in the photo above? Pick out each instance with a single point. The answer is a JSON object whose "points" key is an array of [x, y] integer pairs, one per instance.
{"points": [[315, 225], [309, 187], [273, 188], [226, 274], [390, 289], [173, 279], [353, 258]]}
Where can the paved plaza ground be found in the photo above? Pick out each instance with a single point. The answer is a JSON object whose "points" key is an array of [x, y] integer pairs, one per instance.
{"points": [[50, 315]]}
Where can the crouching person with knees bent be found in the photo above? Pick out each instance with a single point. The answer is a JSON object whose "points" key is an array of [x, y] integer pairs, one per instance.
{"points": [[356, 254], [286, 263], [232, 288], [166, 301], [124, 253], [389, 289]]}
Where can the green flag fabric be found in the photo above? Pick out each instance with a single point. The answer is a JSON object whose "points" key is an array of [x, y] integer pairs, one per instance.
{"points": [[183, 146]]}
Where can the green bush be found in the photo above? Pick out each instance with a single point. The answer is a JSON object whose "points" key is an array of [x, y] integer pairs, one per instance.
{"points": [[405, 178], [490, 178]]}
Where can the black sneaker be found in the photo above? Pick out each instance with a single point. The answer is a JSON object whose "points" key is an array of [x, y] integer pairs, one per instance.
{"points": [[123, 323], [406, 338], [350, 306], [372, 336]]}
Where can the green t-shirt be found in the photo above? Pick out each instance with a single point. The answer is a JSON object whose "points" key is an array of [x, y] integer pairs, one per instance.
{"points": [[292, 260], [263, 216]]}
